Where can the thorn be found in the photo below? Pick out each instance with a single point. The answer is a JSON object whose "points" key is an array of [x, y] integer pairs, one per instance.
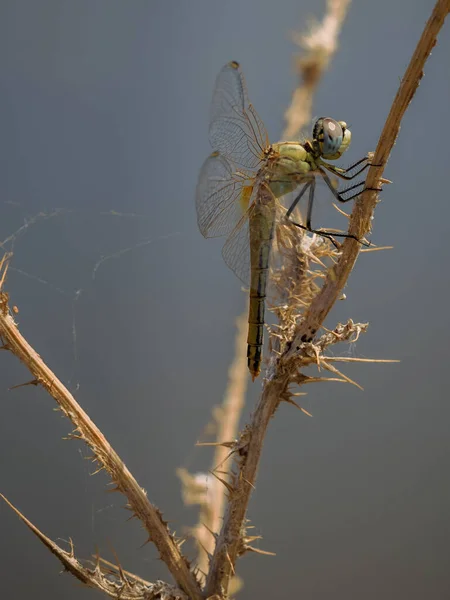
{"points": [[98, 470], [258, 551], [98, 568], [248, 482], [32, 382], [290, 401], [317, 379], [147, 541], [233, 572], [118, 567], [224, 444], [217, 470], [368, 360], [251, 538], [337, 372], [376, 248], [73, 436], [341, 211], [208, 554], [225, 483], [215, 536], [228, 456]]}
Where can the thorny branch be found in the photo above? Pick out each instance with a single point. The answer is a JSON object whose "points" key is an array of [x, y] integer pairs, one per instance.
{"points": [[227, 427], [285, 369], [113, 582], [207, 490], [103, 453]]}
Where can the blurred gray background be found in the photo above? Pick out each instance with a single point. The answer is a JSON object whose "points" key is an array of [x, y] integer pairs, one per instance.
{"points": [[104, 107]]}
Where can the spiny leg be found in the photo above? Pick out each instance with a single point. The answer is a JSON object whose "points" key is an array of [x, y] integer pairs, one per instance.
{"points": [[308, 227], [299, 197], [330, 234], [312, 190], [339, 195], [342, 173]]}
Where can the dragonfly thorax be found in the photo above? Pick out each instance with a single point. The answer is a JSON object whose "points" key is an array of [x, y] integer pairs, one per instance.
{"points": [[289, 162]]}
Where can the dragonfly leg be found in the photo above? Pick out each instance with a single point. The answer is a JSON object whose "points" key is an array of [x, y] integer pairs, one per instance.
{"points": [[299, 197], [329, 234], [324, 233], [318, 232], [310, 204], [341, 198], [340, 195], [342, 173]]}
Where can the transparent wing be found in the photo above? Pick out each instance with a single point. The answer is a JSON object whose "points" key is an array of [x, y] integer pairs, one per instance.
{"points": [[222, 196], [236, 251], [235, 128]]}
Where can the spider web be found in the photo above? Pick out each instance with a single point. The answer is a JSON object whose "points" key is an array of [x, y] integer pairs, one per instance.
{"points": [[43, 257]]}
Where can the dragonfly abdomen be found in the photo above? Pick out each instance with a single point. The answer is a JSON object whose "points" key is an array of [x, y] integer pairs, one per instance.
{"points": [[261, 234], [256, 326]]}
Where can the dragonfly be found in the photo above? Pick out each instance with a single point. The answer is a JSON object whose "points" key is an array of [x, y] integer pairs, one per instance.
{"points": [[241, 181]]}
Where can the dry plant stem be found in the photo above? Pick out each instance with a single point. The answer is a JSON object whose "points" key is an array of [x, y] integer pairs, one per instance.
{"points": [[86, 430], [114, 582], [227, 428], [228, 543], [364, 207], [321, 43], [230, 539]]}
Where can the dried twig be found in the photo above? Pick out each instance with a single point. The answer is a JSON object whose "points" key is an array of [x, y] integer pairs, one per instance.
{"points": [[115, 583], [365, 205], [227, 428], [284, 368], [103, 453], [321, 44]]}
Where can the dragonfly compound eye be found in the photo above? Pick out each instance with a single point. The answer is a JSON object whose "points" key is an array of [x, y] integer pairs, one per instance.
{"points": [[333, 136]]}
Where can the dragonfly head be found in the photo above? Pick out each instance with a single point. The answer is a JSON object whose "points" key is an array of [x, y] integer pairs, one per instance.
{"points": [[331, 138]]}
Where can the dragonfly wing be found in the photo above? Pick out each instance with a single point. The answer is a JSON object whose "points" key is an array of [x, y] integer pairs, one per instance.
{"points": [[235, 128], [237, 252], [221, 197]]}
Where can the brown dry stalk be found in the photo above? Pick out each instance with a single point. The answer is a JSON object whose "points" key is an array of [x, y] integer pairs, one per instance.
{"points": [[229, 544], [320, 43], [227, 429], [104, 453], [365, 205], [110, 579]]}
